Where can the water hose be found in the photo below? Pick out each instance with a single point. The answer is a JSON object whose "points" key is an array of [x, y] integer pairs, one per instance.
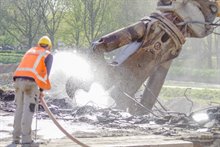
{"points": [[59, 126]]}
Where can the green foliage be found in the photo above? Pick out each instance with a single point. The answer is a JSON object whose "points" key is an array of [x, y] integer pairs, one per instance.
{"points": [[193, 74], [12, 52], [7, 39], [87, 21], [7, 57], [197, 94], [79, 22]]}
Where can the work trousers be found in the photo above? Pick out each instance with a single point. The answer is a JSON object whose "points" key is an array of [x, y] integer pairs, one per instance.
{"points": [[26, 98]]}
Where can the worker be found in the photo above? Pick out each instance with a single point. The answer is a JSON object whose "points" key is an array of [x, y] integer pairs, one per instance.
{"points": [[31, 78]]}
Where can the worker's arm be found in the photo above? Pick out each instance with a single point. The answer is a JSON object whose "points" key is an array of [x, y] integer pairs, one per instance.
{"points": [[48, 62]]}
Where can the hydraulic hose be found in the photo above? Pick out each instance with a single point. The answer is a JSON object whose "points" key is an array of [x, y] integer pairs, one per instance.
{"points": [[59, 126]]}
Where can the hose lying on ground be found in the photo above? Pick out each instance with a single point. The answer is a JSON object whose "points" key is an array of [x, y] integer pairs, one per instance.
{"points": [[59, 126]]}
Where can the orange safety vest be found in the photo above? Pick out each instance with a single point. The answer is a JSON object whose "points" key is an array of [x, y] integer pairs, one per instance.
{"points": [[32, 65]]}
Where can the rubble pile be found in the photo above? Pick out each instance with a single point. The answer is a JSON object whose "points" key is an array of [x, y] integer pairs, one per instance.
{"points": [[6, 95], [169, 124]]}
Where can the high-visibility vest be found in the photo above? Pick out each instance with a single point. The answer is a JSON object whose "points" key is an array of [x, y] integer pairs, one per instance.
{"points": [[32, 65]]}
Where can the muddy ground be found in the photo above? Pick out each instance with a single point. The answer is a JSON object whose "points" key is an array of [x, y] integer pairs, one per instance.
{"points": [[89, 123]]}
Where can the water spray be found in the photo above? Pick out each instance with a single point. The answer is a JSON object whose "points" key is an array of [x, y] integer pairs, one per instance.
{"points": [[73, 73]]}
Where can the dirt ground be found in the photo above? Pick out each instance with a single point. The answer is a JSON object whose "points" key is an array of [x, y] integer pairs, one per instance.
{"points": [[6, 68], [122, 134], [110, 127]]}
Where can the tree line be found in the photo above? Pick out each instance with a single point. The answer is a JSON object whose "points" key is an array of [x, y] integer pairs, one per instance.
{"points": [[72, 22], [77, 23]]}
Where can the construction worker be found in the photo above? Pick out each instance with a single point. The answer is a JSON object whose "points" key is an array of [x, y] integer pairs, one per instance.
{"points": [[30, 79]]}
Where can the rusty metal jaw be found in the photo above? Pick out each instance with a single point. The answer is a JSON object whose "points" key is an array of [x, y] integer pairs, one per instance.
{"points": [[196, 14]]}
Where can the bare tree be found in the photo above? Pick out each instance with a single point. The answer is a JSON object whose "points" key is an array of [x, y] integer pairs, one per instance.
{"points": [[93, 16], [21, 20], [75, 23], [52, 13], [132, 11], [87, 20]]}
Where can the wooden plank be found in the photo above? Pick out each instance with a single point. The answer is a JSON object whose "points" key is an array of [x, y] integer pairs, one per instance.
{"points": [[134, 141], [127, 141]]}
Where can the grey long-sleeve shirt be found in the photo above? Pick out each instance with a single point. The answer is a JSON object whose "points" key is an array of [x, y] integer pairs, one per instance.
{"points": [[48, 63]]}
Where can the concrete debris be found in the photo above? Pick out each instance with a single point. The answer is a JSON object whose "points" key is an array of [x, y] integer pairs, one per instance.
{"points": [[171, 124], [6, 95]]}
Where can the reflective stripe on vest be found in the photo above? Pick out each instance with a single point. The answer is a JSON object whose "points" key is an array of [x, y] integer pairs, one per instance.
{"points": [[41, 54]]}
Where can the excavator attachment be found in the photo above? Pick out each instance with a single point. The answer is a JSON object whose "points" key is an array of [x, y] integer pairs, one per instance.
{"points": [[148, 49]]}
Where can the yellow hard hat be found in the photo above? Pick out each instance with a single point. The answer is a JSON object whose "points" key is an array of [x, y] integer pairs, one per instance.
{"points": [[45, 40]]}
